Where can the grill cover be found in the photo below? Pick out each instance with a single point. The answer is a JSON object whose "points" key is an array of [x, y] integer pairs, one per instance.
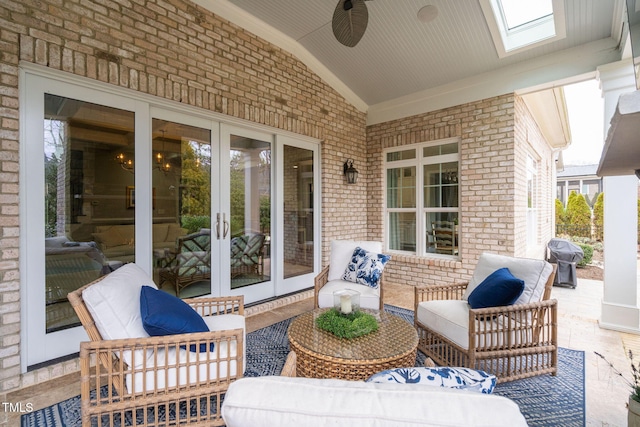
{"points": [[566, 255]]}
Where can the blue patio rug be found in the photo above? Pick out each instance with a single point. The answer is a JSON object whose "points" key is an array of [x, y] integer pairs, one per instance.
{"points": [[544, 400]]}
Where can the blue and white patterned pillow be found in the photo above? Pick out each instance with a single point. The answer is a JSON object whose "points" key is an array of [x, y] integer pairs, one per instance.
{"points": [[365, 268], [461, 378]]}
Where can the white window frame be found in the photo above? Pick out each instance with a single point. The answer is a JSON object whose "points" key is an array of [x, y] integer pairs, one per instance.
{"points": [[536, 33], [421, 228], [532, 193]]}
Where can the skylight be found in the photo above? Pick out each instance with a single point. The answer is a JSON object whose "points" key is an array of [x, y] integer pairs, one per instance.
{"points": [[517, 25], [517, 12]]}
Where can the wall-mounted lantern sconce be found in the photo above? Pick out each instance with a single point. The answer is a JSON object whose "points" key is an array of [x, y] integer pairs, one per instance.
{"points": [[350, 172]]}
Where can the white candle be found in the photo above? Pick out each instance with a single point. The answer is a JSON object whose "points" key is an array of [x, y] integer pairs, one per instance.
{"points": [[345, 304]]}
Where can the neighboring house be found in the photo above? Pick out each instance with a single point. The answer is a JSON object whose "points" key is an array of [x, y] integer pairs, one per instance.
{"points": [[176, 84], [581, 179]]}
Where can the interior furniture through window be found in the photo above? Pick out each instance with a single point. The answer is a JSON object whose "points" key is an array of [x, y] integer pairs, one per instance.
{"points": [[190, 262]]}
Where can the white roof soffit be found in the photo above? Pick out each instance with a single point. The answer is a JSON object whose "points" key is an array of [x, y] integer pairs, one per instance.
{"points": [[549, 110], [621, 152], [550, 68]]}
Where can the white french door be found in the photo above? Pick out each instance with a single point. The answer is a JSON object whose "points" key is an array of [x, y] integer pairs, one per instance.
{"points": [[298, 237], [246, 214], [126, 176]]}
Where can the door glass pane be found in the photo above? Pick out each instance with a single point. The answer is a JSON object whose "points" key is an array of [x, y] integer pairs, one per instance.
{"points": [[181, 179], [89, 199], [298, 211], [250, 211], [402, 231]]}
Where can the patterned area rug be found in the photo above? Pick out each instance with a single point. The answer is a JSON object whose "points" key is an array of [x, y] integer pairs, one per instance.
{"points": [[544, 400]]}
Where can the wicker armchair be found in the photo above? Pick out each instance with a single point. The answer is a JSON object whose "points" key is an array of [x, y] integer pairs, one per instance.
{"points": [[156, 377], [511, 342], [329, 279], [189, 263], [247, 255]]}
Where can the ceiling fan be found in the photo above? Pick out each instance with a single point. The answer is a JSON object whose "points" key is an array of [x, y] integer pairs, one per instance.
{"points": [[350, 21]]}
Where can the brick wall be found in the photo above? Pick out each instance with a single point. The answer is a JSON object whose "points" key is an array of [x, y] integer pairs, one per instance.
{"points": [[485, 130], [529, 141], [494, 134], [175, 50]]}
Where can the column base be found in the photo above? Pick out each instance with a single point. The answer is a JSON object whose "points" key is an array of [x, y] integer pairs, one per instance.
{"points": [[620, 317]]}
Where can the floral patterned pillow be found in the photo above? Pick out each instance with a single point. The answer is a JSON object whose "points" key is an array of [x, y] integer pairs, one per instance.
{"points": [[365, 268], [461, 378]]}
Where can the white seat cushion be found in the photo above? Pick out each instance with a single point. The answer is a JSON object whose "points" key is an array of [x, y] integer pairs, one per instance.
{"points": [[534, 273], [176, 371], [341, 251], [369, 297], [284, 401], [227, 322], [114, 302], [450, 318]]}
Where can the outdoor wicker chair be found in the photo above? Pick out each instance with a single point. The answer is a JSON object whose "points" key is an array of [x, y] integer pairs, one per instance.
{"points": [[329, 280], [511, 341], [171, 380]]}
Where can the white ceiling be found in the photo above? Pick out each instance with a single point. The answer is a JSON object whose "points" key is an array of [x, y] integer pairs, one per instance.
{"points": [[403, 66]]}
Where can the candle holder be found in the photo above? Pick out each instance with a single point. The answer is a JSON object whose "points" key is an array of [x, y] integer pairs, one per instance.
{"points": [[346, 301]]}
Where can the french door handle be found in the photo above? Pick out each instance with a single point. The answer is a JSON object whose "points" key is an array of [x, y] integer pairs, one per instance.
{"points": [[226, 225], [218, 226]]}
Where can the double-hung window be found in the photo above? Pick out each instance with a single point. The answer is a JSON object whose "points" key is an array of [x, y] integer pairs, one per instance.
{"points": [[422, 198]]}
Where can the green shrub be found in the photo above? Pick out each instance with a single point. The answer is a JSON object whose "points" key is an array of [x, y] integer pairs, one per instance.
{"points": [[194, 223], [560, 213], [579, 215], [598, 216], [588, 254]]}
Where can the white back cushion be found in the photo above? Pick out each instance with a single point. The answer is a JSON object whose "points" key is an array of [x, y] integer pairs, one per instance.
{"points": [[114, 302], [341, 251], [534, 272]]}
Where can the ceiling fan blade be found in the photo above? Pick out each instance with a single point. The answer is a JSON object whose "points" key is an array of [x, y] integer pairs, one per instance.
{"points": [[350, 24]]}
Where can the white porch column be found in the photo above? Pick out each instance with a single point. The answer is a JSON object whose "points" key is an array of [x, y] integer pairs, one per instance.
{"points": [[620, 309]]}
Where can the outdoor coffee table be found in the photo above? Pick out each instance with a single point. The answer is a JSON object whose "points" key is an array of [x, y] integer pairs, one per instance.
{"points": [[320, 354]]}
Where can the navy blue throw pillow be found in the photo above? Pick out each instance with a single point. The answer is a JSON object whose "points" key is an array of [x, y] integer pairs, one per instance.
{"points": [[164, 314], [500, 288]]}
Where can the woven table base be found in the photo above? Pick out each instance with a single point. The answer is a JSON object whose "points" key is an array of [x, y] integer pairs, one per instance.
{"points": [[320, 354]]}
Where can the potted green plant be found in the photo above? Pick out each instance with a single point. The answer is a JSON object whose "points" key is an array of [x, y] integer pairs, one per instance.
{"points": [[633, 406]]}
